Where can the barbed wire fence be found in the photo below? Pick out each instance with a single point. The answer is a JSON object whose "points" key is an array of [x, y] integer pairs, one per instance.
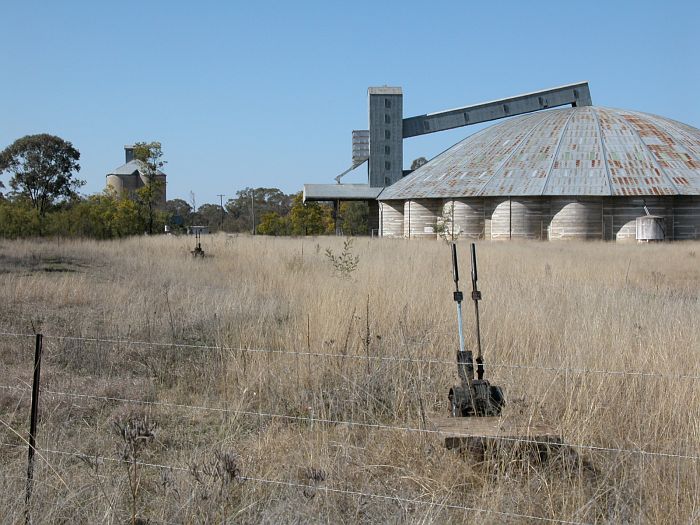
{"points": [[23, 388], [362, 357]]}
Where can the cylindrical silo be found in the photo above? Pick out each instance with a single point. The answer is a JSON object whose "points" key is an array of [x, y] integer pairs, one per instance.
{"points": [[115, 183], [161, 181], [391, 218], [124, 184], [574, 218], [519, 218], [420, 217], [500, 219], [463, 218]]}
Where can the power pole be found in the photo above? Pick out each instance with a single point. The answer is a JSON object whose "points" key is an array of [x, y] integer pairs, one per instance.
{"points": [[221, 203]]}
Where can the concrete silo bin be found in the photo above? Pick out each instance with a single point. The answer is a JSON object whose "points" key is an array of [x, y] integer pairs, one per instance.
{"points": [[576, 219], [463, 218], [391, 218], [686, 217], [519, 218], [420, 218]]}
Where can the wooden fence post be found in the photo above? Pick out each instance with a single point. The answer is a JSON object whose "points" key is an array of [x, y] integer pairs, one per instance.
{"points": [[32, 425]]}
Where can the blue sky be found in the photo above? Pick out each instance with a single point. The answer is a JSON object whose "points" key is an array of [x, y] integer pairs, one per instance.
{"points": [[267, 93]]}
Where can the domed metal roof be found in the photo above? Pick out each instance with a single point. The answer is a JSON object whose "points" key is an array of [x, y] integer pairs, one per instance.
{"points": [[572, 151]]}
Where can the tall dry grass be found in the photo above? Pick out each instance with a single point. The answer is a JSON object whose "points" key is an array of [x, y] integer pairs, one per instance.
{"points": [[557, 318]]}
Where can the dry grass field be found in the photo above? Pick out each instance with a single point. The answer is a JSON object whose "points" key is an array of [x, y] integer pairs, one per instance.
{"points": [[259, 386]]}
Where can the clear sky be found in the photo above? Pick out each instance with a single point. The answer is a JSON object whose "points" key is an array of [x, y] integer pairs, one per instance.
{"points": [[267, 93]]}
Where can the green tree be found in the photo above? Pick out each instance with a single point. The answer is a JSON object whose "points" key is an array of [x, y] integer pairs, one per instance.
{"points": [[152, 194], [417, 163], [311, 218], [209, 215], [254, 202], [111, 216], [125, 219], [179, 213], [178, 207], [272, 223], [42, 168], [78, 218], [18, 219], [102, 216], [354, 216]]}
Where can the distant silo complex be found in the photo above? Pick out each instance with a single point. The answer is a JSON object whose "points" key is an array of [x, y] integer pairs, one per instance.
{"points": [[582, 172], [132, 175]]}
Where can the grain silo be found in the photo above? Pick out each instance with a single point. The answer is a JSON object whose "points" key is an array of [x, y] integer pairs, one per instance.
{"points": [[546, 172], [132, 175], [574, 173]]}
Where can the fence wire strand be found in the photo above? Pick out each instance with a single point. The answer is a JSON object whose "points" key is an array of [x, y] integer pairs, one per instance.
{"points": [[376, 426], [365, 357], [321, 488], [319, 420]]}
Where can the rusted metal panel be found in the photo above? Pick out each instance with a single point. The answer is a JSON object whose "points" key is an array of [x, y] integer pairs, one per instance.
{"points": [[464, 169], [579, 166], [583, 151], [633, 169], [526, 171], [674, 146]]}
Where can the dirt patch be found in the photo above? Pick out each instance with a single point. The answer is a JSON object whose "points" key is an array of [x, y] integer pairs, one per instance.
{"points": [[29, 264]]}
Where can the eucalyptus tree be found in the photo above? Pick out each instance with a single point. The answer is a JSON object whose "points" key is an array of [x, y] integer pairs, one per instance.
{"points": [[42, 169]]}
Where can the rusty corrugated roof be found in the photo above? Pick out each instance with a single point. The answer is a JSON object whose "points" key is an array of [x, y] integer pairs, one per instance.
{"points": [[572, 151]]}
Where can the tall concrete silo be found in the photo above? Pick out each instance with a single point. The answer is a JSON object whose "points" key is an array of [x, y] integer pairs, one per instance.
{"points": [[133, 175]]}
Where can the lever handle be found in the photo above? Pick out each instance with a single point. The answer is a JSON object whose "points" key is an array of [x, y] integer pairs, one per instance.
{"points": [[474, 276], [455, 270]]}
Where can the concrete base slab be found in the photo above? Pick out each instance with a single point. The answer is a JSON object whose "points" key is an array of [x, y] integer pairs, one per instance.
{"points": [[486, 436]]}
